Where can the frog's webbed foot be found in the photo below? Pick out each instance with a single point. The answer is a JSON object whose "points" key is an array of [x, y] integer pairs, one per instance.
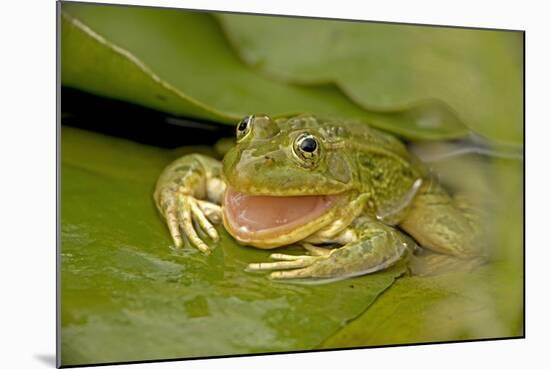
{"points": [[375, 247], [188, 210]]}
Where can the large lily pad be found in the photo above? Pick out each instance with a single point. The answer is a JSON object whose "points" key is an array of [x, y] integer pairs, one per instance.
{"points": [[126, 295], [180, 62], [449, 307], [476, 73]]}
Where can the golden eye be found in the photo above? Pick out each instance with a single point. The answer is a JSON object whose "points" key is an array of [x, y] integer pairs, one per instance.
{"points": [[306, 148], [244, 127]]}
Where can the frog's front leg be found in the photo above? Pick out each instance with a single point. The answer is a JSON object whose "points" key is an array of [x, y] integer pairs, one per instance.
{"points": [[188, 189], [371, 246]]}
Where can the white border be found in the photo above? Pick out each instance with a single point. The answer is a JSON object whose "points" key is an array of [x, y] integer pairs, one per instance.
{"points": [[27, 193]]}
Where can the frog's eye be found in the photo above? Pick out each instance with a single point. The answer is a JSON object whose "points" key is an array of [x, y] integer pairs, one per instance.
{"points": [[244, 127], [306, 148]]}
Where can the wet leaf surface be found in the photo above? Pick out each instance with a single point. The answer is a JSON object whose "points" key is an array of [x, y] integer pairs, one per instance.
{"points": [[461, 305]]}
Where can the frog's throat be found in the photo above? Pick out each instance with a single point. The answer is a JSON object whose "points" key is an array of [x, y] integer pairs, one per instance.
{"points": [[272, 221]]}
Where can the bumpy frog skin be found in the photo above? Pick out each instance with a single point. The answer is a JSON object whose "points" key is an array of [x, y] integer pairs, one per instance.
{"points": [[342, 190]]}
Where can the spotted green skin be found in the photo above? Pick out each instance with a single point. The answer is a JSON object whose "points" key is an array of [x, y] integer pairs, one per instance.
{"points": [[383, 189]]}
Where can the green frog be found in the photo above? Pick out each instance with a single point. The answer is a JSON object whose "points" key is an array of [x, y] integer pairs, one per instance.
{"points": [[353, 197]]}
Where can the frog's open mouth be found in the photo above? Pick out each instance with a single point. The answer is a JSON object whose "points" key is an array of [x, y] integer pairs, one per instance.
{"points": [[271, 221]]}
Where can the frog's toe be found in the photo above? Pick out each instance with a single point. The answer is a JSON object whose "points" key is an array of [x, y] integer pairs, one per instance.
{"points": [[287, 257], [315, 250], [302, 273], [212, 211], [288, 262], [186, 223], [202, 220], [174, 228]]}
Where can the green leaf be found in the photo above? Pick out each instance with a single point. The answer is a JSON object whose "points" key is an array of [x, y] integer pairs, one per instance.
{"points": [[126, 295], [180, 62], [475, 73], [448, 307]]}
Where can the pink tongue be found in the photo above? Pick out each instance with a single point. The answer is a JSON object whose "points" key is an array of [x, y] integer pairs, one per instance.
{"points": [[247, 213]]}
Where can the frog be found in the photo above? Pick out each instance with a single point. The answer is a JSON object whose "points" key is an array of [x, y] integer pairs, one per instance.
{"points": [[352, 197]]}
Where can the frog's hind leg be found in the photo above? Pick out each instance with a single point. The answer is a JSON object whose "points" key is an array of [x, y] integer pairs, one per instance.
{"points": [[443, 224], [374, 246]]}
